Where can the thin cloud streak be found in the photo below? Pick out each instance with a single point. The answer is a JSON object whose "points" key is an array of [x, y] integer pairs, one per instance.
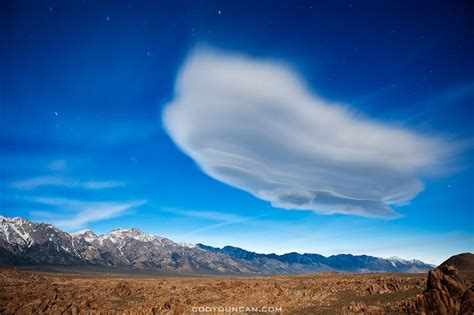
{"points": [[79, 212], [61, 181], [226, 223], [442, 100], [57, 165], [223, 218], [209, 215]]}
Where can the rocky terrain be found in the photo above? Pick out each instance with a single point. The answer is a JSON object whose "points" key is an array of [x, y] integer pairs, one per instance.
{"points": [[28, 292], [446, 290], [26, 243]]}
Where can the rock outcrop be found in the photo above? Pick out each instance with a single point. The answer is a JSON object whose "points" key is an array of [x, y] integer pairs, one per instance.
{"points": [[447, 291], [362, 308]]}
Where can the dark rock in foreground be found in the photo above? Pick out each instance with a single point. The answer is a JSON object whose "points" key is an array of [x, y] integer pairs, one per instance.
{"points": [[449, 289]]}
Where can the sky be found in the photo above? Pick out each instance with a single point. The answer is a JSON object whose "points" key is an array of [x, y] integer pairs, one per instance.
{"points": [[277, 126]]}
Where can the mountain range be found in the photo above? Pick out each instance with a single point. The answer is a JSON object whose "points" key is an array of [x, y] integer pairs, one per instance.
{"points": [[25, 243]]}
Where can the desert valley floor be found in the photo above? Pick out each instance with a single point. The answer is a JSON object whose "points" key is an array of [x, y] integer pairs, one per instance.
{"points": [[28, 292]]}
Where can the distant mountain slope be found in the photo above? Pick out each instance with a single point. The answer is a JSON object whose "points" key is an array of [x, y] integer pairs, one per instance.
{"points": [[344, 262], [25, 243]]}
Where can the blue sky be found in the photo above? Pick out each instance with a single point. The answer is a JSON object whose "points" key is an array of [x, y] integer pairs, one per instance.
{"points": [[108, 119]]}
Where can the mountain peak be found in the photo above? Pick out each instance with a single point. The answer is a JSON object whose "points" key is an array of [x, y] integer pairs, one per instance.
{"points": [[119, 229], [87, 234], [14, 219], [186, 244], [80, 232], [119, 234]]}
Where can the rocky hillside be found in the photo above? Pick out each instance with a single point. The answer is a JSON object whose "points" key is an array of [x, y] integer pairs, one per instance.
{"points": [[25, 243]]}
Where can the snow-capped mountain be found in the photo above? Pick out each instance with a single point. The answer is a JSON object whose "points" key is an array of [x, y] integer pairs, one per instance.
{"points": [[25, 243]]}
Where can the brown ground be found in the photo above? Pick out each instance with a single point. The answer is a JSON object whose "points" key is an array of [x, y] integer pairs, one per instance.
{"points": [[28, 292]]}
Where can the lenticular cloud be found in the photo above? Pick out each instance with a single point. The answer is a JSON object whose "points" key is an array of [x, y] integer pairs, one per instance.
{"points": [[255, 125]]}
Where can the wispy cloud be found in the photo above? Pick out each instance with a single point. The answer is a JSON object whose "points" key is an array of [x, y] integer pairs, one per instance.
{"points": [[452, 94], [221, 224], [218, 225], [255, 125], [80, 212], [443, 99], [209, 215], [223, 219], [57, 165], [40, 181]]}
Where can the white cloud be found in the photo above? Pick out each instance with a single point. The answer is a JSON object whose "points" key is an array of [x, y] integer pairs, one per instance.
{"points": [[35, 182], [80, 212], [255, 125]]}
